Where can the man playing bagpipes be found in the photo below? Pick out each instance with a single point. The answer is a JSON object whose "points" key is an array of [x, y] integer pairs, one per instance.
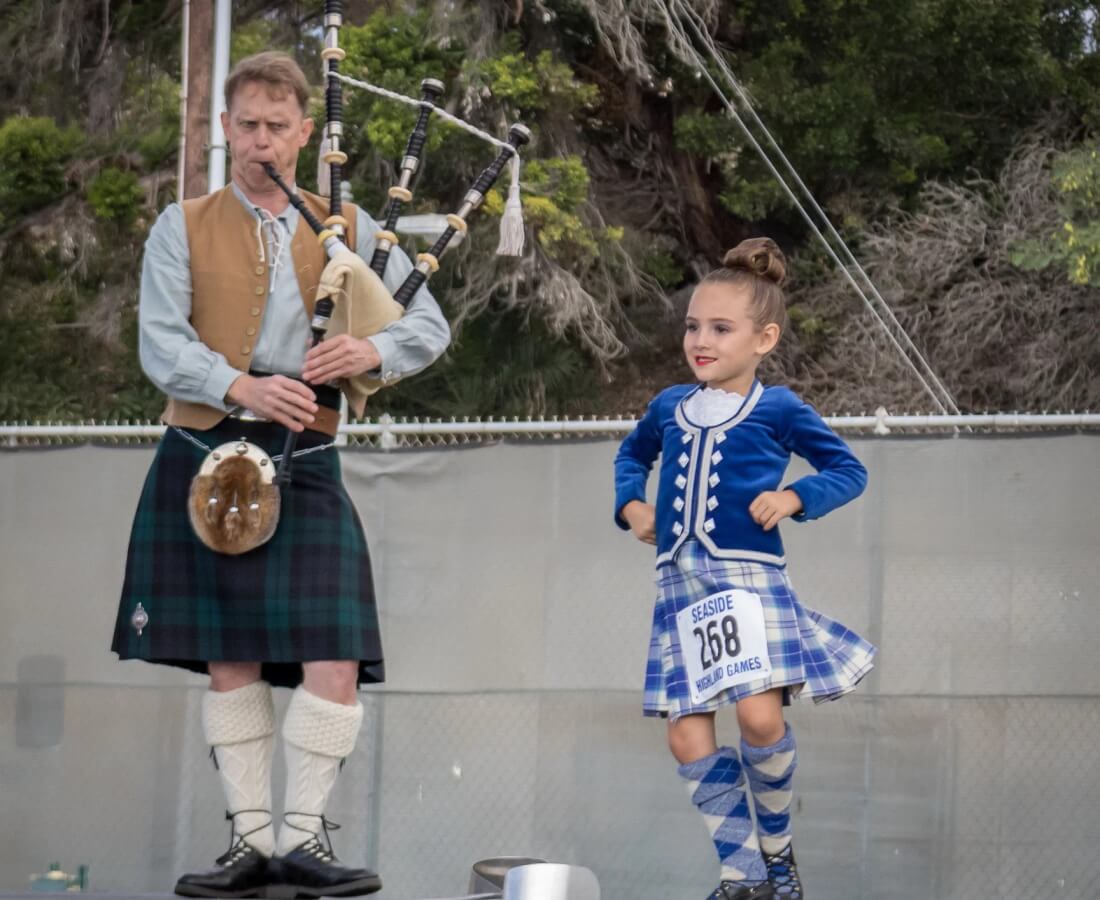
{"points": [[253, 575]]}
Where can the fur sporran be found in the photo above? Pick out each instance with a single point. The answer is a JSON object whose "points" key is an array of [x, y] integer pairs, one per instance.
{"points": [[234, 504]]}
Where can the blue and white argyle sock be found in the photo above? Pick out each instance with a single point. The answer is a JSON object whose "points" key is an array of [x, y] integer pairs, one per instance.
{"points": [[717, 787], [771, 771]]}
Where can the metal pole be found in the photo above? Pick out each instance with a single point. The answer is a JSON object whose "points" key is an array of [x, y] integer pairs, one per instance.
{"points": [[181, 172], [222, 26]]}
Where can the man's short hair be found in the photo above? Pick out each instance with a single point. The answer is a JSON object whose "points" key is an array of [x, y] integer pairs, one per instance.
{"points": [[275, 69]]}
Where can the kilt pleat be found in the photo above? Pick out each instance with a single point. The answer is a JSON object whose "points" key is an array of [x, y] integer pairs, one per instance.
{"points": [[811, 654], [305, 595]]}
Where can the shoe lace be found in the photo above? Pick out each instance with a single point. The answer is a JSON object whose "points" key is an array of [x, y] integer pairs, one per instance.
{"points": [[238, 846], [728, 890], [313, 847], [783, 873]]}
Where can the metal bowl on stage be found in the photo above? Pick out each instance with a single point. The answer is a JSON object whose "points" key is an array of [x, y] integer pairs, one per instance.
{"points": [[524, 878]]}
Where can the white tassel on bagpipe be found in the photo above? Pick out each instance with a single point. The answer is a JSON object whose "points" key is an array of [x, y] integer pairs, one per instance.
{"points": [[512, 229]]}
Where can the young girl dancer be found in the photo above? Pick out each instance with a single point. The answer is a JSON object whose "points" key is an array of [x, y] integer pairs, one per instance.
{"points": [[728, 629]]}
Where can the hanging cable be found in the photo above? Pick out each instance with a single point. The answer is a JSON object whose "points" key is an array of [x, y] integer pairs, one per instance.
{"points": [[676, 14]]}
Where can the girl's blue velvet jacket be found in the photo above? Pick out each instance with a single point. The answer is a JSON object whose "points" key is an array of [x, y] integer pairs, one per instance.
{"points": [[709, 476]]}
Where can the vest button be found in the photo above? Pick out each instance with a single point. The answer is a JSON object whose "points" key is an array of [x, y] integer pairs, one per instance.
{"points": [[260, 270], [259, 291], [250, 330], [246, 350], [255, 310]]}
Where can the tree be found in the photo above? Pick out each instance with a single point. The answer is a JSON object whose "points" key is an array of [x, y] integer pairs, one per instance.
{"points": [[636, 182]]}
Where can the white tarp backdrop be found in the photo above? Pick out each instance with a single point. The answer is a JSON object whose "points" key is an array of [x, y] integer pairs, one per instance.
{"points": [[515, 619]]}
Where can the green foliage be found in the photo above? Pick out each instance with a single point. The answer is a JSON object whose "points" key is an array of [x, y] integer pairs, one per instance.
{"points": [[563, 180], [753, 199], [65, 353], [814, 330], [879, 97], [115, 196], [34, 154], [69, 376], [1075, 247], [662, 266], [501, 363], [868, 100], [250, 38], [705, 134], [397, 52], [554, 191], [530, 86], [151, 117]]}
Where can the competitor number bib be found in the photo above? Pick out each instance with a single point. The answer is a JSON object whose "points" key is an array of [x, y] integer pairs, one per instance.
{"points": [[723, 642]]}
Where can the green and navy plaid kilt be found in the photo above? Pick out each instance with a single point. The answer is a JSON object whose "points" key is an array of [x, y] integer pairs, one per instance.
{"points": [[305, 595], [811, 654]]}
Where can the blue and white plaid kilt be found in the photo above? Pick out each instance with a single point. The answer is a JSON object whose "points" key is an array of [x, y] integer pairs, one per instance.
{"points": [[811, 655]]}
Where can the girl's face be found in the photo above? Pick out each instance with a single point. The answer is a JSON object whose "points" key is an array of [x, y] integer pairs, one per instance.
{"points": [[722, 344]]}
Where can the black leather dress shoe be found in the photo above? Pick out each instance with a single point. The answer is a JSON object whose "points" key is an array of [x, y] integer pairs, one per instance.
{"points": [[312, 870], [731, 890], [241, 872]]}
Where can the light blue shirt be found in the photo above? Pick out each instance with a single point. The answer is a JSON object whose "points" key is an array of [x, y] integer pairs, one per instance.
{"points": [[183, 367]]}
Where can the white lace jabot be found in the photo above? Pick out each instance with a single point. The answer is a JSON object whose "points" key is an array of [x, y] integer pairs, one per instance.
{"points": [[710, 406]]}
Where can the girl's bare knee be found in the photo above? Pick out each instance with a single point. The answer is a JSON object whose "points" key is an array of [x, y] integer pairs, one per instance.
{"points": [[761, 728], [691, 738]]}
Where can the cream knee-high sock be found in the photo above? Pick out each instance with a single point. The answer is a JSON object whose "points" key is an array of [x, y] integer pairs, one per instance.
{"points": [[239, 725], [317, 735]]}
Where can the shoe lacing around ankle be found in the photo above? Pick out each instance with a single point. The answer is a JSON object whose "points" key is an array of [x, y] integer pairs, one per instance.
{"points": [[729, 889], [238, 846], [783, 873], [313, 846]]}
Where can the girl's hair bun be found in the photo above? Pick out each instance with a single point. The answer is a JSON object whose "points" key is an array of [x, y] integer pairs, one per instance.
{"points": [[761, 256]]}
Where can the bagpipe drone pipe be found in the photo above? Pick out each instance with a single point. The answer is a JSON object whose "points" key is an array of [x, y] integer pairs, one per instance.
{"points": [[375, 301]]}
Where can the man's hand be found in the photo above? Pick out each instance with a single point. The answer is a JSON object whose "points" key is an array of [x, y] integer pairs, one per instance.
{"points": [[642, 519], [771, 507], [281, 399], [340, 357]]}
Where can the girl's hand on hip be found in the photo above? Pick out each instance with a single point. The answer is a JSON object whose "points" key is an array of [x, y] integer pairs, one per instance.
{"points": [[642, 519], [771, 507]]}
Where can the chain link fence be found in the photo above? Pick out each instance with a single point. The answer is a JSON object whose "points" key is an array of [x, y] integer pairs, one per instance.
{"points": [[896, 797]]}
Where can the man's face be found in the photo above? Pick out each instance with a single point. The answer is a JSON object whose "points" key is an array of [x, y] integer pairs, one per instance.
{"points": [[264, 124]]}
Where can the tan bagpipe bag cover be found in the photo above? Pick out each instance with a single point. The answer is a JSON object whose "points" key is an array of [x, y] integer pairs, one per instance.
{"points": [[363, 306]]}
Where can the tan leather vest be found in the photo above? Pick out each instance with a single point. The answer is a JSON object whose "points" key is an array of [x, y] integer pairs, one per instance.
{"points": [[229, 284]]}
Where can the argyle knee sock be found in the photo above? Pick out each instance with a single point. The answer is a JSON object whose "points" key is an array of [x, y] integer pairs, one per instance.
{"points": [[717, 787], [317, 736], [770, 772], [239, 725]]}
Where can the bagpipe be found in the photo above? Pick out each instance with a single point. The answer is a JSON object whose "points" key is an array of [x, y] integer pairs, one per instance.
{"points": [[234, 504]]}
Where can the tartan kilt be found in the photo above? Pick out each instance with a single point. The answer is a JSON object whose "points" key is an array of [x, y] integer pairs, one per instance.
{"points": [[305, 595], [811, 654]]}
